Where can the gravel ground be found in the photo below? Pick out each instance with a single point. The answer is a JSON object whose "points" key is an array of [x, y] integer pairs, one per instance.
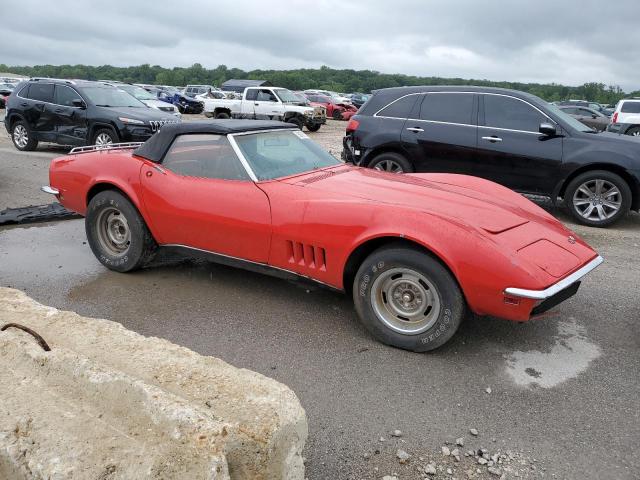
{"points": [[552, 398]]}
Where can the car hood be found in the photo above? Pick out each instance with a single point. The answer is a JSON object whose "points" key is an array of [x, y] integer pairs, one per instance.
{"points": [[496, 213], [617, 138], [139, 113], [468, 205], [157, 103]]}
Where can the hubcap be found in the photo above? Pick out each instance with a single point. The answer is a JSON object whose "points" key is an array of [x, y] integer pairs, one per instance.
{"points": [[388, 166], [405, 300], [113, 231], [635, 133], [20, 136], [597, 200], [103, 140]]}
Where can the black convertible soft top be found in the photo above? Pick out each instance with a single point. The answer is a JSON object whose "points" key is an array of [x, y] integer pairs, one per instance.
{"points": [[155, 148]]}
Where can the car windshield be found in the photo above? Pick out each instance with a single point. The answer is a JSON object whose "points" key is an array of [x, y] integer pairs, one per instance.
{"points": [[138, 92], [282, 153], [573, 123], [110, 97], [286, 96]]}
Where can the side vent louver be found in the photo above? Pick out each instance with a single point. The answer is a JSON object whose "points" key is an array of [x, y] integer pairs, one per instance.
{"points": [[309, 256]]}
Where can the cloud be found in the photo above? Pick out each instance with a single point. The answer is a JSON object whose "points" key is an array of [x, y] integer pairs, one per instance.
{"points": [[543, 41]]}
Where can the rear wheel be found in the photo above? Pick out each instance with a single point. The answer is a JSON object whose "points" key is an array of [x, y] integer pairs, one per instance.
{"points": [[23, 138], [222, 115], [408, 299], [634, 132], [337, 114], [391, 162], [117, 234], [598, 198], [314, 127]]}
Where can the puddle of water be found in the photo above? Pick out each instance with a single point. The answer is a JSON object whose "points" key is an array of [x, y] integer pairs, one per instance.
{"points": [[568, 357]]}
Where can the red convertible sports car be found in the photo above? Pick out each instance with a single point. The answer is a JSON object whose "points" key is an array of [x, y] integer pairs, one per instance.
{"points": [[416, 251]]}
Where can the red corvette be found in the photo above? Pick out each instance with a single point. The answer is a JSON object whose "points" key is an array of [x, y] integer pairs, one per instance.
{"points": [[415, 251], [337, 111]]}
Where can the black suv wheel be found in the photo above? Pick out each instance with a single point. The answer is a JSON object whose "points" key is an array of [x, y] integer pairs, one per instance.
{"points": [[22, 137], [598, 198], [391, 162]]}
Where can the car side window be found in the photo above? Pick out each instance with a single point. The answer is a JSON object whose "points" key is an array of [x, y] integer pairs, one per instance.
{"points": [[204, 156], [511, 114], [448, 107], [401, 108], [252, 94], [42, 92], [65, 96], [266, 96]]}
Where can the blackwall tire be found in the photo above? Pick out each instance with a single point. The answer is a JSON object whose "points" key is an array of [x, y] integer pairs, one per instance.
{"points": [[391, 162], [406, 298], [598, 198], [117, 233], [22, 137]]}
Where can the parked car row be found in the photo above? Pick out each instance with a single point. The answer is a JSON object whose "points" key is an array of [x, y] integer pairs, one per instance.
{"points": [[509, 137]]}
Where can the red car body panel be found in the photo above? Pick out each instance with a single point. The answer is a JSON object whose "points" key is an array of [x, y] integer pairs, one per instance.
{"points": [[490, 237]]}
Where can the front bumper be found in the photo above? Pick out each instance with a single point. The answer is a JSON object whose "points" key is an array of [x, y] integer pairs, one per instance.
{"points": [[537, 302], [556, 287]]}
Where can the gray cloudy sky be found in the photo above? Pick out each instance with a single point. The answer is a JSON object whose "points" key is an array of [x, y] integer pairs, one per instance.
{"points": [[570, 42]]}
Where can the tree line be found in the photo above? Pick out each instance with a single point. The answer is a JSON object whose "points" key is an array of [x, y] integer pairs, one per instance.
{"points": [[325, 78]]}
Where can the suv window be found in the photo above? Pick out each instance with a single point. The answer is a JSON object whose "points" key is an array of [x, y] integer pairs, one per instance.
{"points": [[512, 114], [65, 96], [204, 156], [42, 92], [448, 107], [630, 107], [401, 108]]}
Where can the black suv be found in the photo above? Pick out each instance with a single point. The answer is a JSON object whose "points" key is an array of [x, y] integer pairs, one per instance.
{"points": [[77, 112], [510, 137]]}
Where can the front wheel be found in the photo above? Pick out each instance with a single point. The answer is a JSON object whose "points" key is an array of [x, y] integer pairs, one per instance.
{"points": [[407, 299], [104, 137], [391, 162], [297, 122], [598, 198], [117, 234], [314, 127]]}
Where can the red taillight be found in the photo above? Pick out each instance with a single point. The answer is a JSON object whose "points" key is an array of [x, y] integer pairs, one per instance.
{"points": [[353, 125], [615, 118]]}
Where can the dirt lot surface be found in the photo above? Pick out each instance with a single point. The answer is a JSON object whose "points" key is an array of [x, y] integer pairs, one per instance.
{"points": [[553, 398]]}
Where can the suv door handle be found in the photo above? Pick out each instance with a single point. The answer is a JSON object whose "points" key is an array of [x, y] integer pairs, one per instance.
{"points": [[415, 129], [492, 139]]}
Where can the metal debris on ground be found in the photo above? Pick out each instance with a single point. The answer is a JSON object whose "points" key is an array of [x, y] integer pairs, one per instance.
{"points": [[45, 346]]}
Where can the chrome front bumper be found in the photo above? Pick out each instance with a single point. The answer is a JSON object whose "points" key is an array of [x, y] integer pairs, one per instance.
{"points": [[556, 287], [50, 190]]}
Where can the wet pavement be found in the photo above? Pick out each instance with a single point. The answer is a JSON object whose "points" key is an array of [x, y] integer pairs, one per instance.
{"points": [[564, 390]]}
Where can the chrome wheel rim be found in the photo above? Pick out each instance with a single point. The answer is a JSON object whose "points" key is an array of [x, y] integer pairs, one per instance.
{"points": [[114, 234], [20, 136], [388, 166], [405, 301], [103, 140], [597, 200], [636, 133]]}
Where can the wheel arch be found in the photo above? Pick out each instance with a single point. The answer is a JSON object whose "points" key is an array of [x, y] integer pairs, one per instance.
{"points": [[99, 125], [15, 117], [618, 170], [104, 185], [367, 247]]}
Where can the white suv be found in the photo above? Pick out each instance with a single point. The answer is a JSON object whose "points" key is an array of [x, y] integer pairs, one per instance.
{"points": [[627, 112]]}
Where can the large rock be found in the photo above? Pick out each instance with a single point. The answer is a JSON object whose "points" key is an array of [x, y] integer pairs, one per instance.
{"points": [[108, 403]]}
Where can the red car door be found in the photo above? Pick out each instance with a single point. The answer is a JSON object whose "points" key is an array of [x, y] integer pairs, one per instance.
{"points": [[200, 196]]}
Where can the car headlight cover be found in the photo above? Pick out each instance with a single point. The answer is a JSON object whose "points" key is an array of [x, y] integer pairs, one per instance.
{"points": [[131, 121]]}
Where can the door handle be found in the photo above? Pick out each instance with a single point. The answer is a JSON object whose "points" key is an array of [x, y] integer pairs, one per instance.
{"points": [[492, 139], [415, 129]]}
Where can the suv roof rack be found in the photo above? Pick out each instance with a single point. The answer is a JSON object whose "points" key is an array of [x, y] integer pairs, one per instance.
{"points": [[38, 79], [113, 146]]}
